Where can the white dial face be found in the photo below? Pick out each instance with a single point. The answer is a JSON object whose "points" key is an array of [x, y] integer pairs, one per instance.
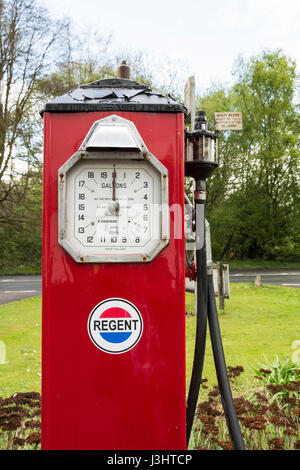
{"points": [[113, 207]]}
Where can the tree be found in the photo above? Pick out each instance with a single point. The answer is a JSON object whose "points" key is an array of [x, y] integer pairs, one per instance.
{"points": [[255, 192], [88, 59], [30, 43], [92, 56], [21, 227]]}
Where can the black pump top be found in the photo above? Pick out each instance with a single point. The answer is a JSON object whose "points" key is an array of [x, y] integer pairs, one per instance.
{"points": [[114, 94]]}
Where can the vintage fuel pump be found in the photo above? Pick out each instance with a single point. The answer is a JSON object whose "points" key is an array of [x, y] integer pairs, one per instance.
{"points": [[113, 374], [113, 355]]}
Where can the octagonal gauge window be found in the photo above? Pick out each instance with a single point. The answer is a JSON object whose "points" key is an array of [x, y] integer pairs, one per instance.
{"points": [[113, 206]]}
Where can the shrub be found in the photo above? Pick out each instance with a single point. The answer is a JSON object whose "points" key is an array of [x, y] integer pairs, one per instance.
{"points": [[268, 416], [20, 423]]}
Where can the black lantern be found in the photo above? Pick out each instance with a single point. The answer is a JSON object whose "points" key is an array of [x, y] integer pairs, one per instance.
{"points": [[201, 149]]}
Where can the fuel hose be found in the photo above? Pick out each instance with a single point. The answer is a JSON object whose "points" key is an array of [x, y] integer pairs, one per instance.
{"points": [[221, 370]]}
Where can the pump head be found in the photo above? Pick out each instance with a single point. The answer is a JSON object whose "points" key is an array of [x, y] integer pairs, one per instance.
{"points": [[201, 156]]}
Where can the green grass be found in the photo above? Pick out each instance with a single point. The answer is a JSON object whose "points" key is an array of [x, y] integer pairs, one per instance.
{"points": [[262, 264], [9, 270], [20, 331], [257, 323]]}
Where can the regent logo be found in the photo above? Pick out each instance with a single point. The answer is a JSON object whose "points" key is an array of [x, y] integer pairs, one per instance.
{"points": [[115, 325]]}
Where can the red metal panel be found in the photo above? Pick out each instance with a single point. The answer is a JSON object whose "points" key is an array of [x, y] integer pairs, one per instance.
{"points": [[91, 399]]}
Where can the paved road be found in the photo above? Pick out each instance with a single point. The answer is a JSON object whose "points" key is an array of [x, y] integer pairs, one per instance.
{"points": [[282, 277], [14, 288]]}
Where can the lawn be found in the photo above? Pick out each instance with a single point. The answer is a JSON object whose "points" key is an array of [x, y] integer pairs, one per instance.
{"points": [[257, 322], [263, 264], [20, 331]]}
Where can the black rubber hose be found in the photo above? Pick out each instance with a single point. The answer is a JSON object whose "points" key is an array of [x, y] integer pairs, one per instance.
{"points": [[221, 370], [201, 328]]}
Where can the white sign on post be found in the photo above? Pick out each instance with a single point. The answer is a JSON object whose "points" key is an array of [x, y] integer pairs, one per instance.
{"points": [[231, 121], [189, 101]]}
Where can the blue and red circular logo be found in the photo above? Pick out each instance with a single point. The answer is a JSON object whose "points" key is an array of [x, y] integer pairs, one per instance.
{"points": [[115, 325]]}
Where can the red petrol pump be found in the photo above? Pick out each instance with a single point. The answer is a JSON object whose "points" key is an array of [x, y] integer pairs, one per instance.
{"points": [[113, 355]]}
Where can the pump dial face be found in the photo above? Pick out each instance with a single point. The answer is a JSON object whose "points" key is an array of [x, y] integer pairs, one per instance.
{"points": [[113, 210]]}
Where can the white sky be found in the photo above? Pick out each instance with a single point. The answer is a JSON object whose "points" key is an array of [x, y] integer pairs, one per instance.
{"points": [[207, 35]]}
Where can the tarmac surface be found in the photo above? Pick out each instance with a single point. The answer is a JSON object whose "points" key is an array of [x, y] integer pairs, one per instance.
{"points": [[13, 288]]}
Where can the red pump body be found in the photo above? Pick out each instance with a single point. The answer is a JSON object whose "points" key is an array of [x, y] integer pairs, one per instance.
{"points": [[91, 399]]}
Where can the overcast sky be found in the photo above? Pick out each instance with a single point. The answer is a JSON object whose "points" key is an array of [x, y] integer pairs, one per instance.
{"points": [[206, 35]]}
